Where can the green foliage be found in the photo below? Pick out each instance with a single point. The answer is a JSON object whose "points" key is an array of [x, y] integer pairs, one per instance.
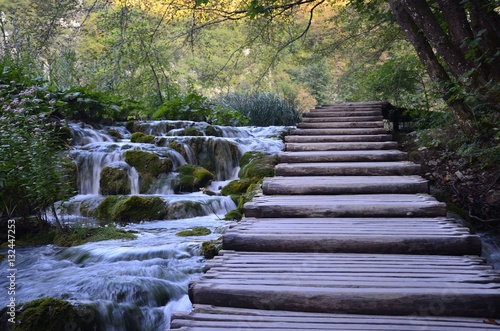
{"points": [[32, 172], [196, 231], [195, 107], [262, 109]]}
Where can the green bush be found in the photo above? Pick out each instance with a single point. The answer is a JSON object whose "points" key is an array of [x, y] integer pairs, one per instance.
{"points": [[262, 109], [194, 107]]}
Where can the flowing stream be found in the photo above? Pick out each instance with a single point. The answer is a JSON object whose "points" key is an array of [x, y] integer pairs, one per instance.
{"points": [[136, 284]]}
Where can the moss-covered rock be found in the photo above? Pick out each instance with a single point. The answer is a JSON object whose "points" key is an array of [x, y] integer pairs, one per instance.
{"points": [[196, 231], [79, 235], [114, 181], [213, 131], [257, 164], [233, 215], [139, 137], [115, 134], [211, 248], [49, 314], [184, 209], [192, 178], [133, 209], [149, 166], [105, 208], [237, 187]]}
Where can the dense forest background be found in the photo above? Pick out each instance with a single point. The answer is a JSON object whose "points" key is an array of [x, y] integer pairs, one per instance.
{"points": [[235, 63]]}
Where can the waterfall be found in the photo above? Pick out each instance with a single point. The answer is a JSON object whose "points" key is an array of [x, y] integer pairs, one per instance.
{"points": [[136, 284]]}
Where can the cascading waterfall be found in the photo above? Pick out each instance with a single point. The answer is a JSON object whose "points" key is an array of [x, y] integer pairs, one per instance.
{"points": [[136, 284]]}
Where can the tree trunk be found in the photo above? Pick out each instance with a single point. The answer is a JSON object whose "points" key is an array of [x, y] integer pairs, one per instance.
{"points": [[460, 110]]}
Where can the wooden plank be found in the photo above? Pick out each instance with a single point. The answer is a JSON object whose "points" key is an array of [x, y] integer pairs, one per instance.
{"points": [[353, 243], [307, 185], [342, 156], [369, 205], [316, 119], [345, 131], [337, 138], [340, 146], [328, 125], [348, 169], [302, 282], [251, 319], [347, 113]]}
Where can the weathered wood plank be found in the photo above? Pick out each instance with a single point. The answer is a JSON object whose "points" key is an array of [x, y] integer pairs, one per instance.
{"points": [[341, 146], [316, 119], [348, 169], [369, 205], [332, 125], [257, 319], [337, 138], [378, 288], [342, 114], [344, 185], [342, 156], [345, 131]]}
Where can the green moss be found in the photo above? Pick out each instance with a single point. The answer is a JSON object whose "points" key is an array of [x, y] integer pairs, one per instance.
{"points": [[115, 134], [233, 215], [136, 209], [193, 132], [256, 164], [105, 208], [52, 314], [237, 187], [79, 235], [139, 137], [193, 177], [148, 163], [196, 231], [211, 248], [114, 181]]}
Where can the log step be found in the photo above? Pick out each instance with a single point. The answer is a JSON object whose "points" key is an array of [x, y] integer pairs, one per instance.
{"points": [[344, 185], [430, 236], [337, 138], [214, 318], [341, 146], [341, 131], [379, 284], [369, 205], [328, 125], [313, 119], [320, 113], [342, 156], [348, 169]]}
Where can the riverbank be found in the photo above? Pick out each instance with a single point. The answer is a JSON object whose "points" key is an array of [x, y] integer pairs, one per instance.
{"points": [[470, 187]]}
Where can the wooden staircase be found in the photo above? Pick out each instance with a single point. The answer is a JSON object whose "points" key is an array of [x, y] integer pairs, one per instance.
{"points": [[345, 237]]}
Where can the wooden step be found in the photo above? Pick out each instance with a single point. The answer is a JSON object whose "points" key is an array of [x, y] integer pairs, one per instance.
{"points": [[344, 185], [344, 114], [348, 169], [338, 138], [327, 125], [341, 146], [214, 318], [379, 284], [429, 236], [368, 205], [342, 156], [342, 131], [312, 119]]}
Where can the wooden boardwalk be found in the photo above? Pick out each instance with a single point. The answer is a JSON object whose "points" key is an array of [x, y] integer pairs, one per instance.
{"points": [[345, 237]]}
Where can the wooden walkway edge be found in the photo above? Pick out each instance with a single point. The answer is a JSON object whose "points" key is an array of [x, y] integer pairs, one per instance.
{"points": [[345, 237]]}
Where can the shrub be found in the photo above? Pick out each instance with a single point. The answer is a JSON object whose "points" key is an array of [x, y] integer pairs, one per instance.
{"points": [[262, 109]]}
